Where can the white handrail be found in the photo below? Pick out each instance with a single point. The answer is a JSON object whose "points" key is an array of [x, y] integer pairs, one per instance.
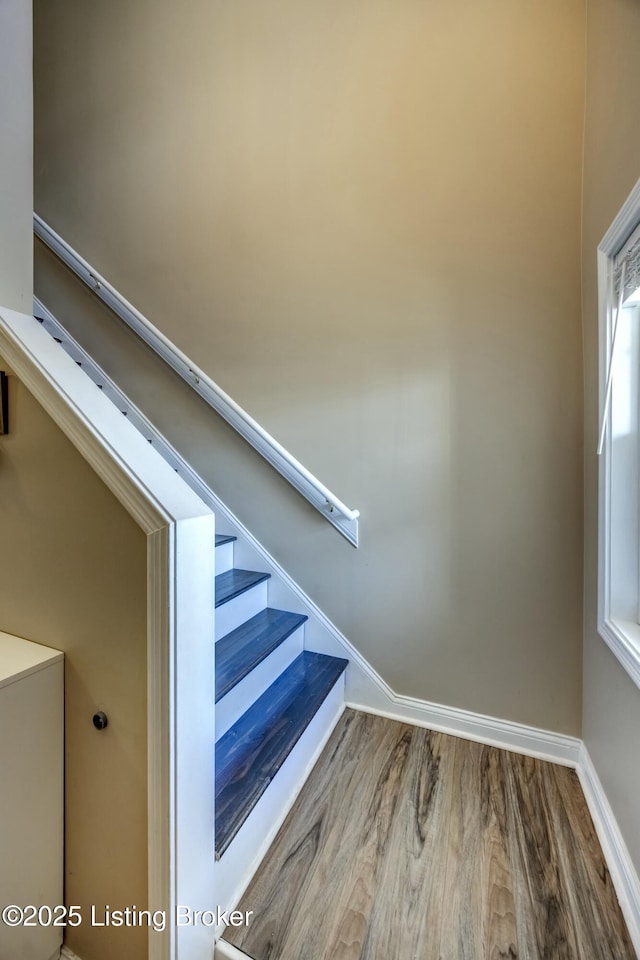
{"points": [[346, 519]]}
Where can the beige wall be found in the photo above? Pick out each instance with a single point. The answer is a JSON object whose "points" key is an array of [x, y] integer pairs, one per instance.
{"points": [[611, 716], [16, 148], [73, 576], [363, 221]]}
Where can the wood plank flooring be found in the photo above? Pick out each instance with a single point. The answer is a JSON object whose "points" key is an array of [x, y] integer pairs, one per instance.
{"points": [[411, 845]]}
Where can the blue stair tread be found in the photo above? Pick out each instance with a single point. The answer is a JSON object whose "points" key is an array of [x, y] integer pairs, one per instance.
{"points": [[232, 583], [224, 538], [250, 754], [248, 645]]}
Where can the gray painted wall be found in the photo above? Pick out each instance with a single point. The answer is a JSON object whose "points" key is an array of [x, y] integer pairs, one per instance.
{"points": [[611, 713], [362, 220], [16, 150]]}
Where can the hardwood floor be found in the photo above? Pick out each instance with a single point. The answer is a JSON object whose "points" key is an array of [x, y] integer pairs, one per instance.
{"points": [[411, 845]]}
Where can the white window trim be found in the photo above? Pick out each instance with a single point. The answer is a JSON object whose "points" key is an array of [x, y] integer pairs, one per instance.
{"points": [[622, 636]]}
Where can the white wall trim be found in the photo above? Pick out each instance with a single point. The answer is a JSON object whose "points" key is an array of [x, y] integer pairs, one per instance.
{"points": [[226, 951], [180, 622], [623, 874], [506, 734], [622, 639], [66, 954], [624, 224], [331, 507]]}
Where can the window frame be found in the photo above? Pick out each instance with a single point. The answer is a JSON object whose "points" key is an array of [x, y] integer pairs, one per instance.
{"points": [[621, 635]]}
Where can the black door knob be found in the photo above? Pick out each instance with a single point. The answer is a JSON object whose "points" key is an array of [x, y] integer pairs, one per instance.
{"points": [[100, 720]]}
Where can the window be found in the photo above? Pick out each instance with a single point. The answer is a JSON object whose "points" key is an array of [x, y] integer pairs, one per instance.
{"points": [[619, 438]]}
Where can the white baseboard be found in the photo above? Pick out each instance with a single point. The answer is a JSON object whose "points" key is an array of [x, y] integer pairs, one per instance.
{"points": [[506, 734], [226, 951], [66, 954], [623, 874]]}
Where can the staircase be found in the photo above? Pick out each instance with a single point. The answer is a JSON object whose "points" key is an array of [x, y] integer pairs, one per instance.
{"points": [[277, 697], [268, 690]]}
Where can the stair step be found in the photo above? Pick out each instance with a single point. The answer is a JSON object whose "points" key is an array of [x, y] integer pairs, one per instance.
{"points": [[222, 538], [248, 645], [225, 551], [232, 583], [232, 706], [250, 754]]}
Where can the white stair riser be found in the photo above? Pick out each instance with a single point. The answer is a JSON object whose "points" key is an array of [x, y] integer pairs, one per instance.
{"points": [[224, 557], [245, 693], [234, 612], [235, 869]]}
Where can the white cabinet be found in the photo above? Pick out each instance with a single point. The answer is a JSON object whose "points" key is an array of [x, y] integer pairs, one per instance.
{"points": [[31, 792]]}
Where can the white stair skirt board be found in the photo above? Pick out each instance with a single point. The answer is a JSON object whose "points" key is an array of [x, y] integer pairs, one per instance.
{"points": [[235, 612], [236, 702], [624, 876], [224, 557], [237, 866]]}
